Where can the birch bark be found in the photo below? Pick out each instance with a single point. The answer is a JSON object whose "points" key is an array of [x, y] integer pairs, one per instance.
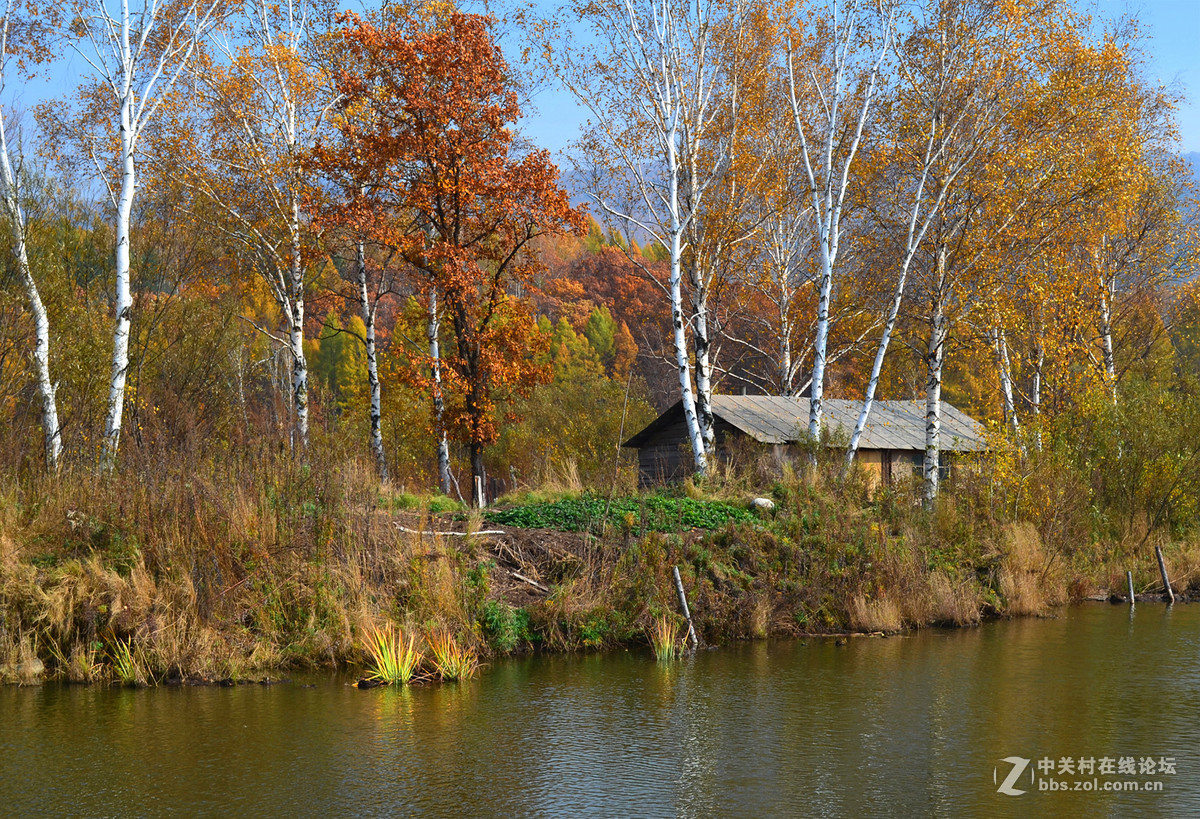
{"points": [[1004, 370], [935, 356], [1107, 294], [368, 317], [432, 329], [10, 196]]}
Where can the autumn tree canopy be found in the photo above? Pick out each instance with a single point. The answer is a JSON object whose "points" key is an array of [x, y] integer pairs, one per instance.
{"points": [[426, 138]]}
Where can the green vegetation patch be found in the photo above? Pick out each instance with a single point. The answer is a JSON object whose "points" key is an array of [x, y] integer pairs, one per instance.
{"points": [[650, 514]]}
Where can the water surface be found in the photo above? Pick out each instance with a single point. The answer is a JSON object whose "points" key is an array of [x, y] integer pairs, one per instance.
{"points": [[912, 725]]}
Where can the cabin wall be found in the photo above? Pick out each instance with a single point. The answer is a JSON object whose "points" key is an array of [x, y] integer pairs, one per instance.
{"points": [[667, 458]]}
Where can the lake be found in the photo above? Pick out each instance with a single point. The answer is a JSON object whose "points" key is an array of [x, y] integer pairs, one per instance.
{"points": [[912, 725]]}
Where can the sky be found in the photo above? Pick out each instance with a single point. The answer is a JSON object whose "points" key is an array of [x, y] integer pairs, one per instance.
{"points": [[1172, 46]]}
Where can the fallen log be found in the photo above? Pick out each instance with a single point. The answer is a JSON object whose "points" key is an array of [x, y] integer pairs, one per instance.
{"points": [[533, 583], [481, 532]]}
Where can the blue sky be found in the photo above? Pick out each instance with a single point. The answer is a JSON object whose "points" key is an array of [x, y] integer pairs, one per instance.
{"points": [[1172, 29]]}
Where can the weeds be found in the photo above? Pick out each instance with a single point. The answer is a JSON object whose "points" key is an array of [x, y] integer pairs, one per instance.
{"points": [[211, 567]]}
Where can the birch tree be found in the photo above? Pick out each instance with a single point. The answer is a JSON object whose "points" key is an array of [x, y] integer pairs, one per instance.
{"points": [[22, 31], [264, 105], [777, 321], [833, 81], [656, 147], [369, 305], [137, 54], [959, 67]]}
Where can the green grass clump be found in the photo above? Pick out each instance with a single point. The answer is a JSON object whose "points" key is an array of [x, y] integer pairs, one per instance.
{"points": [[393, 659], [655, 513]]}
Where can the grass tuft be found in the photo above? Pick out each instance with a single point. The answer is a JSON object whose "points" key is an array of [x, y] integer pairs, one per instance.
{"points": [[393, 657], [127, 665], [665, 638], [452, 661]]}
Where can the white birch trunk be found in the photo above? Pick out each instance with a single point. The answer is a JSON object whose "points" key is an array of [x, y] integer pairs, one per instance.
{"points": [[653, 67], [1004, 368], [675, 230], [123, 298], [138, 58], [433, 330], [41, 357], [816, 404], [11, 197], [702, 344], [877, 366], [1035, 399], [299, 380], [41, 348], [296, 334], [933, 413], [934, 358], [679, 338], [368, 317], [786, 379], [1107, 291], [829, 177]]}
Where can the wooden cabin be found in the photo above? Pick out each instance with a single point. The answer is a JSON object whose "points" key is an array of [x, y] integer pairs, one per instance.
{"points": [[893, 442]]}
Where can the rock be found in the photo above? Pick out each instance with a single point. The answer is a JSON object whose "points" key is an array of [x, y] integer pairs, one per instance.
{"points": [[762, 505]]}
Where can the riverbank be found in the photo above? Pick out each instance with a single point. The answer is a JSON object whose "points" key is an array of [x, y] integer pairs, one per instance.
{"points": [[217, 573]]}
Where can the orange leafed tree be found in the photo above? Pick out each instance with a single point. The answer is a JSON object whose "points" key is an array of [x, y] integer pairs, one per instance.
{"points": [[427, 140]]}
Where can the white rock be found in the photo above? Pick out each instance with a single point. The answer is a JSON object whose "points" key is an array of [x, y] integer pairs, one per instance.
{"points": [[763, 505]]}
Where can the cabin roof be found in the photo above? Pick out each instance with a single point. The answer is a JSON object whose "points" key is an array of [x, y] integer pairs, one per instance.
{"points": [[771, 419]]}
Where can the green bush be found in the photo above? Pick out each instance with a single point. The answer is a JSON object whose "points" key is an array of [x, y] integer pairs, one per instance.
{"points": [[650, 514], [506, 627]]}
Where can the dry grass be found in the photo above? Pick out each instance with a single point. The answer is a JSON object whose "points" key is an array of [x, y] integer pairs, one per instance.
{"points": [[882, 614], [1028, 582], [19, 661], [953, 602], [227, 566]]}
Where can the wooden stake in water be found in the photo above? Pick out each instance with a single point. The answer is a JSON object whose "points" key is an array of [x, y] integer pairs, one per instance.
{"points": [[1129, 577], [1162, 567], [683, 604]]}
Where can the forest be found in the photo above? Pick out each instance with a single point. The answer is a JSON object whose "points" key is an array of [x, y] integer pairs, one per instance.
{"points": [[275, 270]]}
